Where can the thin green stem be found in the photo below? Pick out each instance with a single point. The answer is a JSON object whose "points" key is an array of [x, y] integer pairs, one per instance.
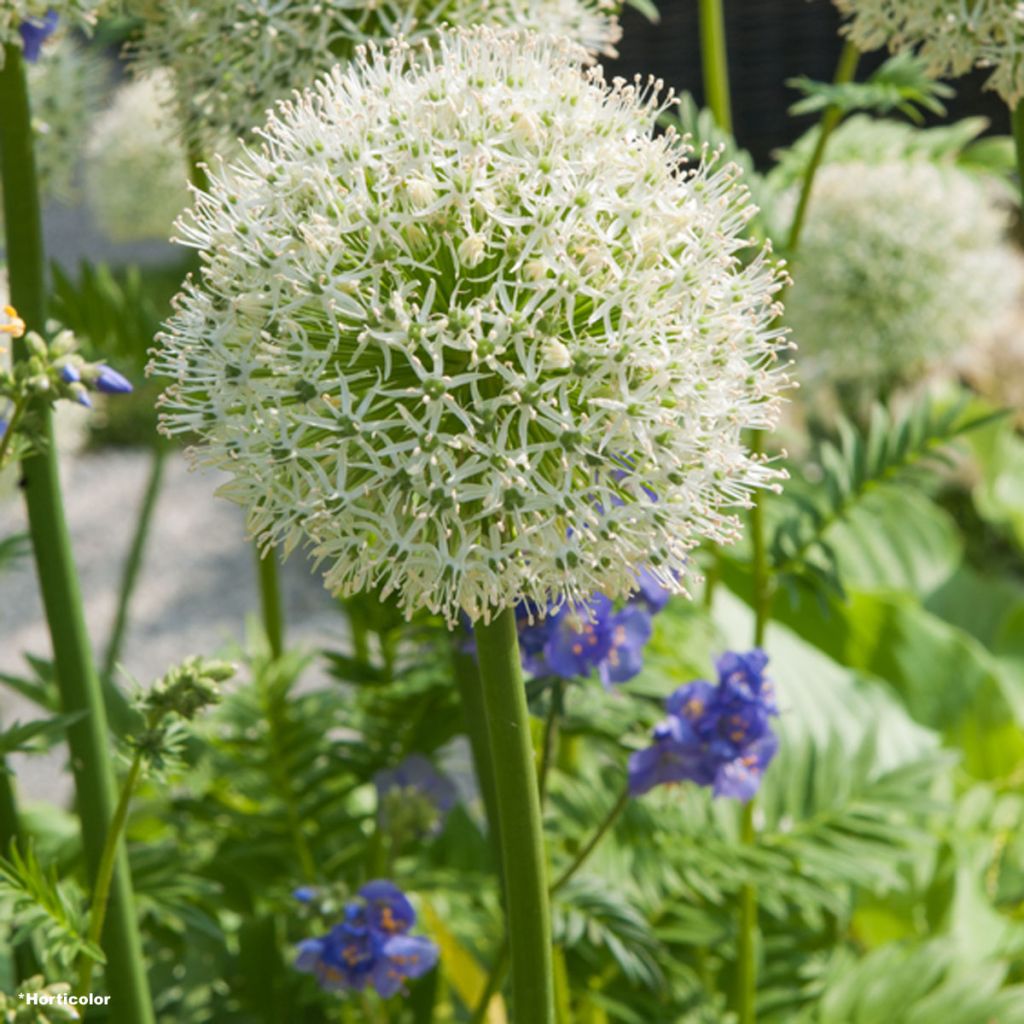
{"points": [[715, 62], [88, 738], [1017, 117], [270, 601], [746, 947], [518, 806], [845, 71], [549, 742], [12, 424], [133, 563], [105, 871], [602, 830]]}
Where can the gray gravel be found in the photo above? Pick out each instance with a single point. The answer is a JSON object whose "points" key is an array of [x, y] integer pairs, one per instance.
{"points": [[196, 589]]}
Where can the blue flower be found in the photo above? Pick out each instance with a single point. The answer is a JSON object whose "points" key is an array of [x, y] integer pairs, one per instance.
{"points": [[35, 32], [579, 639], [414, 796], [716, 735], [110, 382], [630, 630], [650, 592], [69, 374], [371, 946], [305, 894]]}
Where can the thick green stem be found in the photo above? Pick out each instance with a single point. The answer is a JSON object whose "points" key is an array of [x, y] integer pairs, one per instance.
{"points": [[715, 62], [105, 871], [88, 738], [1017, 116], [270, 601], [500, 966], [133, 563], [522, 840], [467, 678], [845, 70]]}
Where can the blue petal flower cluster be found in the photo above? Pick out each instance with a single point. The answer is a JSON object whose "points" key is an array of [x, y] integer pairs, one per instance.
{"points": [[716, 735], [371, 946], [414, 796], [35, 32], [574, 642]]}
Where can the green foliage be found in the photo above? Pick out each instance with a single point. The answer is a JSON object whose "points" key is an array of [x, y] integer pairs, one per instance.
{"points": [[45, 910], [901, 84], [895, 448]]}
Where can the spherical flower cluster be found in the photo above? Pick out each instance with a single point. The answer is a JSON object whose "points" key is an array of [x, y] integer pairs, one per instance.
{"points": [[27, 23], [135, 145], [899, 264], [66, 88], [467, 326], [716, 735], [571, 642], [413, 798], [234, 59], [371, 947], [952, 36]]}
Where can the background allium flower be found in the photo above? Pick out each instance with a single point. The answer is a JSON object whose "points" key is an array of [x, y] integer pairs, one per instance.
{"points": [[66, 89], [134, 144], [716, 735], [234, 59], [368, 349], [899, 264], [953, 36], [70, 14], [371, 947]]}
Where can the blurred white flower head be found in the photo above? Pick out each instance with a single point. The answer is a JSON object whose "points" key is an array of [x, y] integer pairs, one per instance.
{"points": [[66, 87], [372, 353], [900, 263], [233, 59], [136, 169], [953, 36]]}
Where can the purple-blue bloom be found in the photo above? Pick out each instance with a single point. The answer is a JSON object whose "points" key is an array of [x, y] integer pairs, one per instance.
{"points": [[414, 781], [35, 32], [716, 735], [579, 639], [371, 946], [111, 382], [69, 374], [630, 630]]}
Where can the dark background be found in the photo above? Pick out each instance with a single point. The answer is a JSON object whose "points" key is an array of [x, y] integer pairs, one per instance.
{"points": [[769, 42]]}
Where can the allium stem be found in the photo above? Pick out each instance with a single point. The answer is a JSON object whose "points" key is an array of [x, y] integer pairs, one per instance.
{"points": [[467, 678], [746, 944], [1017, 116], [88, 738], [715, 62], [845, 71], [522, 840], [270, 600], [133, 563]]}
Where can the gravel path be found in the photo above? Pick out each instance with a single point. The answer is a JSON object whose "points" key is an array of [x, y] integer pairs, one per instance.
{"points": [[195, 591]]}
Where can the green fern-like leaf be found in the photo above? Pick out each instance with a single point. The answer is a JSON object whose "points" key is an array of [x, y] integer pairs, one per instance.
{"points": [[901, 84], [45, 909], [893, 449]]}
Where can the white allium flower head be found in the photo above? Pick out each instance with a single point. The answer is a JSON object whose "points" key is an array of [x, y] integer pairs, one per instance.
{"points": [[952, 36], [373, 356], [71, 14], [136, 169], [233, 59], [899, 264]]}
